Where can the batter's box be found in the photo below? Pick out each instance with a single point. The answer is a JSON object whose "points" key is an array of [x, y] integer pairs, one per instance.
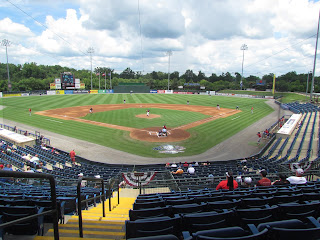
{"points": [[152, 133]]}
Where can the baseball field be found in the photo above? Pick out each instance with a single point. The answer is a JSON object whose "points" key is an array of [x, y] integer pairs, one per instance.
{"points": [[197, 126]]}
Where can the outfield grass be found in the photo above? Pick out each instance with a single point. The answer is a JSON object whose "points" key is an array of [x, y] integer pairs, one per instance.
{"points": [[286, 97], [202, 138]]}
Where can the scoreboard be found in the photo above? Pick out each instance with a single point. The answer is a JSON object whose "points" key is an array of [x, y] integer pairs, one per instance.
{"points": [[67, 80]]}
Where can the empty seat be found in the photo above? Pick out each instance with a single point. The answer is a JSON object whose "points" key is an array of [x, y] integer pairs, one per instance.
{"points": [[230, 233], [153, 227]]}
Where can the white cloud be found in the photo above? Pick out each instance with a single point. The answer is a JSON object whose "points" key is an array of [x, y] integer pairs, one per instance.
{"points": [[15, 31], [203, 35]]}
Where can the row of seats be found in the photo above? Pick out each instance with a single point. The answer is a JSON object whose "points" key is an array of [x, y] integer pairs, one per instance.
{"points": [[215, 227]]}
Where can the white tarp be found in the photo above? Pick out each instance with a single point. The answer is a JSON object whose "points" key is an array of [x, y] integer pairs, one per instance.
{"points": [[16, 138], [290, 125]]}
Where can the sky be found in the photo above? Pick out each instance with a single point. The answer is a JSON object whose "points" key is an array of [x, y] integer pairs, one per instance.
{"points": [[202, 35]]}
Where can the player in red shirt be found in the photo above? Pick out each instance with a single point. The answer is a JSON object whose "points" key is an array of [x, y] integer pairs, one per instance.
{"points": [[259, 136], [73, 156]]}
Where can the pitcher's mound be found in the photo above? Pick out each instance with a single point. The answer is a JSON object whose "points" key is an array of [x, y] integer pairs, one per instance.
{"points": [[150, 135], [150, 116]]}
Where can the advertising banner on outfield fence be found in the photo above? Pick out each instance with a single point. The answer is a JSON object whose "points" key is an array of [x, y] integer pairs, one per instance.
{"points": [[80, 91], [51, 92], [68, 91], [25, 94], [182, 92], [168, 91], [161, 91], [12, 95], [93, 91], [59, 92], [82, 85], [153, 91]]}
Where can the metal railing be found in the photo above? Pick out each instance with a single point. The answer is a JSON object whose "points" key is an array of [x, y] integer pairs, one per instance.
{"points": [[80, 201], [53, 212], [102, 196]]}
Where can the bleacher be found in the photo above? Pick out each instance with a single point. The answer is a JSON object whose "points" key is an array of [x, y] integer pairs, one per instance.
{"points": [[191, 208]]}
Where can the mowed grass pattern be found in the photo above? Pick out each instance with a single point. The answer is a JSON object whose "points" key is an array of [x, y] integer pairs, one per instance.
{"points": [[127, 117], [202, 137]]}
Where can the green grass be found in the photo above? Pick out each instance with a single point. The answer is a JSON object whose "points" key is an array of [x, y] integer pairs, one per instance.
{"points": [[202, 138], [286, 96], [127, 117]]}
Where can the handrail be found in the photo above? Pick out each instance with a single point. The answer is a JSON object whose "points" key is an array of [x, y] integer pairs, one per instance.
{"points": [[54, 210], [82, 201]]}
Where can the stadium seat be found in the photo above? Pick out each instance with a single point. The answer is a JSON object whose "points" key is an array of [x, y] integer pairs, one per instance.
{"points": [[230, 233], [299, 211], [160, 237], [31, 227], [207, 220], [144, 205], [257, 215], [153, 227], [148, 213], [292, 229]]}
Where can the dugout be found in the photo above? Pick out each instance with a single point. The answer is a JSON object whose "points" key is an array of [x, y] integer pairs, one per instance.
{"points": [[131, 88]]}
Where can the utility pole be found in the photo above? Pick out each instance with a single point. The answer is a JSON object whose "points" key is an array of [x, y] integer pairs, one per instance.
{"points": [[169, 53], [90, 51], [314, 62], [243, 48], [6, 43], [307, 85]]}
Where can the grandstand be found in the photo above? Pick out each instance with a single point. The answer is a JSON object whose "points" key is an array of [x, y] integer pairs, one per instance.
{"points": [[157, 204]]}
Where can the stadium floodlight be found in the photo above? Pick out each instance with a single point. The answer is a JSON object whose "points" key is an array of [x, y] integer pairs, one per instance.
{"points": [[6, 43], [168, 53], [243, 48], [90, 51]]}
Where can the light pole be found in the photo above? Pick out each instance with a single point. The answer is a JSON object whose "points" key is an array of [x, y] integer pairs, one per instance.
{"points": [[6, 43], [307, 85], [314, 61], [169, 53], [90, 51], [243, 48]]}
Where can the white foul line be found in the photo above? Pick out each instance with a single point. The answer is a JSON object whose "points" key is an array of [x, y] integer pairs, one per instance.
{"points": [[53, 120]]}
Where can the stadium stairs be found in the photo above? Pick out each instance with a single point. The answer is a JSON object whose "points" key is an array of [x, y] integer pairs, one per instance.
{"points": [[96, 227]]}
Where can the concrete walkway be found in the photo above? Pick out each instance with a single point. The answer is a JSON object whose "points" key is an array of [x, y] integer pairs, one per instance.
{"points": [[235, 147]]}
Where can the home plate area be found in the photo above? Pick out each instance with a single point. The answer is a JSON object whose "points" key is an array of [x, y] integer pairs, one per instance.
{"points": [[159, 134], [152, 135]]}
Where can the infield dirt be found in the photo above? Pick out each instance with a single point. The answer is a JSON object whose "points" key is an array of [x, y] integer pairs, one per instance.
{"points": [[148, 134]]}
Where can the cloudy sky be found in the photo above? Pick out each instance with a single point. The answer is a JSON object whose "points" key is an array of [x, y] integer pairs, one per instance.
{"points": [[203, 35]]}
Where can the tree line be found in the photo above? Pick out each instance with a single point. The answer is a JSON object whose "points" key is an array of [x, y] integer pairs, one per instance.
{"points": [[31, 76]]}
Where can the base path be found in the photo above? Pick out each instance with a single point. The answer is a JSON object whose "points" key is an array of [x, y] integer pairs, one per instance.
{"points": [[149, 134]]}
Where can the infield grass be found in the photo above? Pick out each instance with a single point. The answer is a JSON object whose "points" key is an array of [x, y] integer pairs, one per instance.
{"points": [[127, 117], [202, 137]]}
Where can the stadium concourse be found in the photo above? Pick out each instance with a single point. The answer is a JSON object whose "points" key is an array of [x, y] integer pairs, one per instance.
{"points": [[221, 152]]}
